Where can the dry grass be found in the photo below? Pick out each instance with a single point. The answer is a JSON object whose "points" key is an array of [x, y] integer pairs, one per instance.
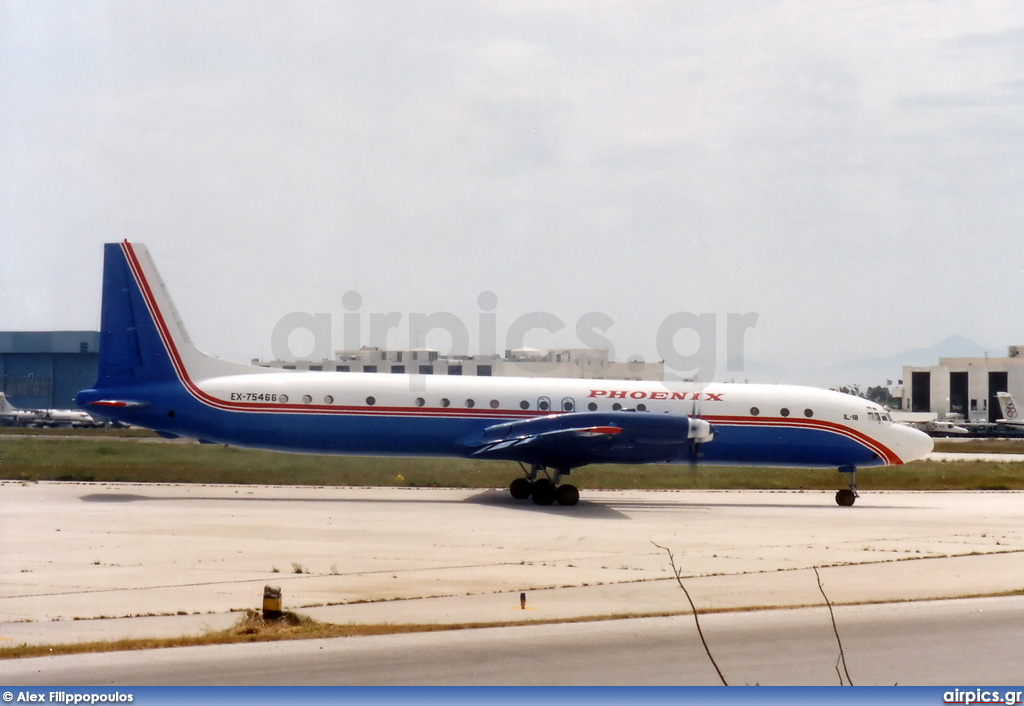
{"points": [[251, 627]]}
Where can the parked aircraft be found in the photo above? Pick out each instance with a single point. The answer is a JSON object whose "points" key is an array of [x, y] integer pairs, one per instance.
{"points": [[1011, 416], [43, 417], [929, 423], [151, 375]]}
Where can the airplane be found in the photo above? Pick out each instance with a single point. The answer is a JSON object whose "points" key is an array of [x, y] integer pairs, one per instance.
{"points": [[1011, 417], [64, 418], [43, 417], [151, 375], [929, 423]]}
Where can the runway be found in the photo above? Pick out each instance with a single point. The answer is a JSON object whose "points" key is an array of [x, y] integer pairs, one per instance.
{"points": [[948, 642], [94, 561]]}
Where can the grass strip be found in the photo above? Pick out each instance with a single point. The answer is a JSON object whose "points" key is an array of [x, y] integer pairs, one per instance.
{"points": [[90, 458]]}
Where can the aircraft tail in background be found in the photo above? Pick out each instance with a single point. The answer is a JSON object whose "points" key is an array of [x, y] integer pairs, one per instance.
{"points": [[1011, 415]]}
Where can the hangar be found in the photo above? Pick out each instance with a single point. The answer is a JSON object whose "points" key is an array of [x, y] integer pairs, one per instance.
{"points": [[964, 386], [45, 369]]}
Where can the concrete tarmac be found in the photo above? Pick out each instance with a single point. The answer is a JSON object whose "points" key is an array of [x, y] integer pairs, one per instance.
{"points": [[957, 642], [90, 561]]}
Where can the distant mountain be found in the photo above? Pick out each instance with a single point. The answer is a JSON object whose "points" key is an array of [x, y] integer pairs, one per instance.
{"points": [[864, 373], [877, 371], [951, 347]]}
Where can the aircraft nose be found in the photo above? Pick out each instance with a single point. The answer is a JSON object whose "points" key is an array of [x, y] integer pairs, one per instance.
{"points": [[913, 443]]}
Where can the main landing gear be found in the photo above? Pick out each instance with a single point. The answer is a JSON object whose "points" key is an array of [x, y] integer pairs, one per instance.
{"points": [[846, 497], [545, 490]]}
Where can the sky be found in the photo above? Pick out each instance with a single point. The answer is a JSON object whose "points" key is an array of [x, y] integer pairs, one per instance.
{"points": [[841, 180]]}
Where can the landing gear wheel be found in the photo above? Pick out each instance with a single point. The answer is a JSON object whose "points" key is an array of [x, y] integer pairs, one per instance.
{"points": [[567, 494], [520, 488], [543, 491], [845, 497]]}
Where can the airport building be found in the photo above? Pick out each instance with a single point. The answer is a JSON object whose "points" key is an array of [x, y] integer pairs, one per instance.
{"points": [[525, 362], [46, 369], [964, 386]]}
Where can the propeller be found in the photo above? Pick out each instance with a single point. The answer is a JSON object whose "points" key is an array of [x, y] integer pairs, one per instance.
{"points": [[699, 431]]}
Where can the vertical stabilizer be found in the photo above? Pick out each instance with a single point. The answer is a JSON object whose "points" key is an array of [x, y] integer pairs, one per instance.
{"points": [[1009, 409], [142, 338], [131, 348]]}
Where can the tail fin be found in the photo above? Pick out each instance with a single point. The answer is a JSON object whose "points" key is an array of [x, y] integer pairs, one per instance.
{"points": [[5, 406], [1008, 408], [142, 338]]}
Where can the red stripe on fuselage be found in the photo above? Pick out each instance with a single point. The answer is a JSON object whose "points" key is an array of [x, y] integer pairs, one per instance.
{"points": [[824, 425]]}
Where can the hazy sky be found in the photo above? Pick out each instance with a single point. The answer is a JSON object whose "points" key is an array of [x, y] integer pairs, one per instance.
{"points": [[851, 172]]}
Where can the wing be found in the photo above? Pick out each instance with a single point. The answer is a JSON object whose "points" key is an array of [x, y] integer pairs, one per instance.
{"points": [[581, 438]]}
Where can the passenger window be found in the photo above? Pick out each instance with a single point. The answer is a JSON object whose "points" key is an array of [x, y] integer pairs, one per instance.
{"points": [[568, 404], [543, 404], [592, 406]]}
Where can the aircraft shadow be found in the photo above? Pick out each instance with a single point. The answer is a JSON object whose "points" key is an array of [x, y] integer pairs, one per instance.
{"points": [[586, 509], [493, 498]]}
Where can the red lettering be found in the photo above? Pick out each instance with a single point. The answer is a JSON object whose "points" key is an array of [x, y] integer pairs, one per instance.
{"points": [[713, 396], [617, 394], [679, 395], [598, 393], [659, 395], [638, 395]]}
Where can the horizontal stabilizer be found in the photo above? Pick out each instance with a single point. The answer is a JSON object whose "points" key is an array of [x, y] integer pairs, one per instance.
{"points": [[118, 403]]}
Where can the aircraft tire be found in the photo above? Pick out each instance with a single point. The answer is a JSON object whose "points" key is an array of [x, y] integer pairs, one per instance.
{"points": [[543, 492], [845, 497], [567, 494], [520, 488]]}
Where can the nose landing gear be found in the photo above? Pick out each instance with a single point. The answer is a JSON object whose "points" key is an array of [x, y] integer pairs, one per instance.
{"points": [[546, 490], [846, 497]]}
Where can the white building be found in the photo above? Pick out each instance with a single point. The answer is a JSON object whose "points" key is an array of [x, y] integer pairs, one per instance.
{"points": [[964, 386], [524, 362]]}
